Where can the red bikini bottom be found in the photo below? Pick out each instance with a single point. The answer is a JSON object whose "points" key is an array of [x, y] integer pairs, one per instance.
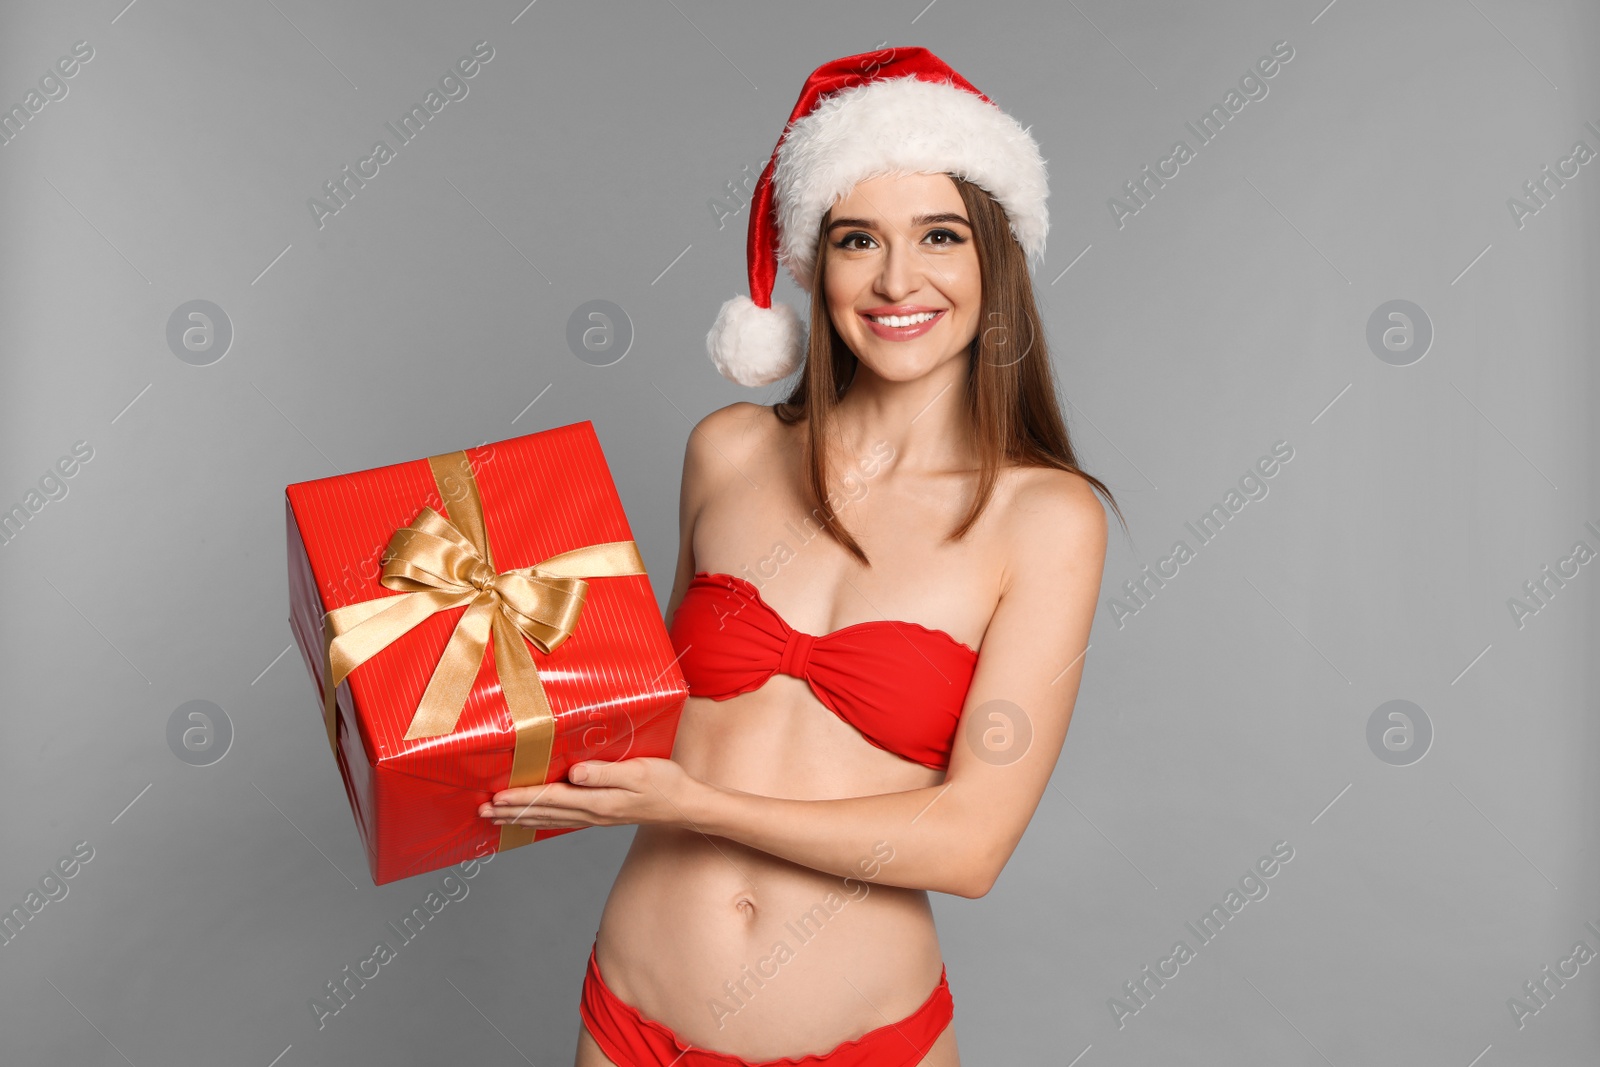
{"points": [[631, 1040]]}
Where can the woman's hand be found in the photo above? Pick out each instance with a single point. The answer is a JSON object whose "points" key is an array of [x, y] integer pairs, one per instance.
{"points": [[646, 790]]}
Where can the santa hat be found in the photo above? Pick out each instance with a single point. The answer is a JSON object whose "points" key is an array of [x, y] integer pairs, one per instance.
{"points": [[897, 110]]}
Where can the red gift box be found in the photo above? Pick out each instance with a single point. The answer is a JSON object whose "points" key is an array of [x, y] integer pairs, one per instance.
{"points": [[516, 551]]}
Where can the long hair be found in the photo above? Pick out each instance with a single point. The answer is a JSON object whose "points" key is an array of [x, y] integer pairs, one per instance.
{"points": [[1011, 392]]}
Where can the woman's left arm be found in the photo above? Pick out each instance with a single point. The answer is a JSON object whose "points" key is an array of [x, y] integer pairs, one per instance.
{"points": [[954, 837]]}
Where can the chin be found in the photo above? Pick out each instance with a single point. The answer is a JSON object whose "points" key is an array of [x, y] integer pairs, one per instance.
{"points": [[906, 368], [898, 361]]}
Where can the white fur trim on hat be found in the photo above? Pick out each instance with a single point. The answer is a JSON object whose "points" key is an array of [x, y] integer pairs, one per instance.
{"points": [[903, 125], [756, 346]]}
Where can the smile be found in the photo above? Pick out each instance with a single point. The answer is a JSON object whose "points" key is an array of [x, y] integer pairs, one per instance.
{"points": [[903, 320], [902, 327]]}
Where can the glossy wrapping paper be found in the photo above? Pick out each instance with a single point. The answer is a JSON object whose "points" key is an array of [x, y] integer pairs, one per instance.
{"points": [[613, 687]]}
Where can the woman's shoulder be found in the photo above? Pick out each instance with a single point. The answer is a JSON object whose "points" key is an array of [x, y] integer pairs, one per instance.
{"points": [[1045, 505], [734, 431], [740, 417], [726, 443], [1033, 484]]}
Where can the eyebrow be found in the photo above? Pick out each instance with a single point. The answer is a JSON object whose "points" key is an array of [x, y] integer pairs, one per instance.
{"points": [[920, 220]]}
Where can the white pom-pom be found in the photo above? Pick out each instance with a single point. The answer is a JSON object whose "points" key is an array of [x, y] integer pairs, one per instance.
{"points": [[756, 346]]}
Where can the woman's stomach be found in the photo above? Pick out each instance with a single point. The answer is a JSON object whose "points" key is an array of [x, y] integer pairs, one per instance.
{"points": [[739, 950]]}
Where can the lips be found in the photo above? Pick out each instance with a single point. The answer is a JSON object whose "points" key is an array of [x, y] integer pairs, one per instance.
{"points": [[902, 333]]}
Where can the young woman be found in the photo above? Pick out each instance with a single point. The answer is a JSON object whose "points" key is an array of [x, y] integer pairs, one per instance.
{"points": [[884, 591]]}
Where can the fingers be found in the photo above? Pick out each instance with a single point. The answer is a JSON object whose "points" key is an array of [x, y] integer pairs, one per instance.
{"points": [[564, 794], [600, 772], [547, 824], [561, 804], [542, 808], [539, 818], [553, 794], [502, 812]]}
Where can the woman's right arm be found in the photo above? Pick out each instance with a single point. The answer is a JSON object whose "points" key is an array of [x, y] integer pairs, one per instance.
{"points": [[716, 443], [717, 448], [688, 512]]}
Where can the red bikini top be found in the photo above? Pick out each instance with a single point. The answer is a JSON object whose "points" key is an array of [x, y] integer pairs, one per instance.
{"points": [[901, 684]]}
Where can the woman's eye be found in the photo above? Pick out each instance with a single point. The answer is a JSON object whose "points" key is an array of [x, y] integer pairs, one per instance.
{"points": [[949, 237]]}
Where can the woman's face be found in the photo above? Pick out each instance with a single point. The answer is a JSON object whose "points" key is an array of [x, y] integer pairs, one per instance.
{"points": [[901, 278]]}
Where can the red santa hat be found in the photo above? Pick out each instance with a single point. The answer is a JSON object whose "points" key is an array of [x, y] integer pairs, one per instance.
{"points": [[897, 110]]}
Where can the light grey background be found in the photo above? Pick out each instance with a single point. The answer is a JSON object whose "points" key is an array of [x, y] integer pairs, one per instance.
{"points": [[1230, 313]]}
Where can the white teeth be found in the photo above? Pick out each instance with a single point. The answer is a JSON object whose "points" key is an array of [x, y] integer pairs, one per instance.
{"points": [[903, 320]]}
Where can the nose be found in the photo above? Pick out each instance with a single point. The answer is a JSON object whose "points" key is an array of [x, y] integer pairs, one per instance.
{"points": [[902, 271]]}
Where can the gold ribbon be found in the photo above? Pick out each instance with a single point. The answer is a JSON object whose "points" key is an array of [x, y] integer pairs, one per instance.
{"points": [[440, 564]]}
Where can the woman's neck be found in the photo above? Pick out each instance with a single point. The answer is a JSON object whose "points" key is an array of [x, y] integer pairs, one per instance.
{"points": [[925, 420]]}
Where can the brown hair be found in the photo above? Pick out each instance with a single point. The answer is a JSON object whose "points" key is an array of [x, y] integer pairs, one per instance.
{"points": [[1011, 400]]}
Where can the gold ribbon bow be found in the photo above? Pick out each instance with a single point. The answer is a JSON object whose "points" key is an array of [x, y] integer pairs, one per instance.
{"points": [[440, 564]]}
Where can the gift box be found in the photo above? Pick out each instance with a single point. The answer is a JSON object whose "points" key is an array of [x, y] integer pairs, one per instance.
{"points": [[472, 621]]}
